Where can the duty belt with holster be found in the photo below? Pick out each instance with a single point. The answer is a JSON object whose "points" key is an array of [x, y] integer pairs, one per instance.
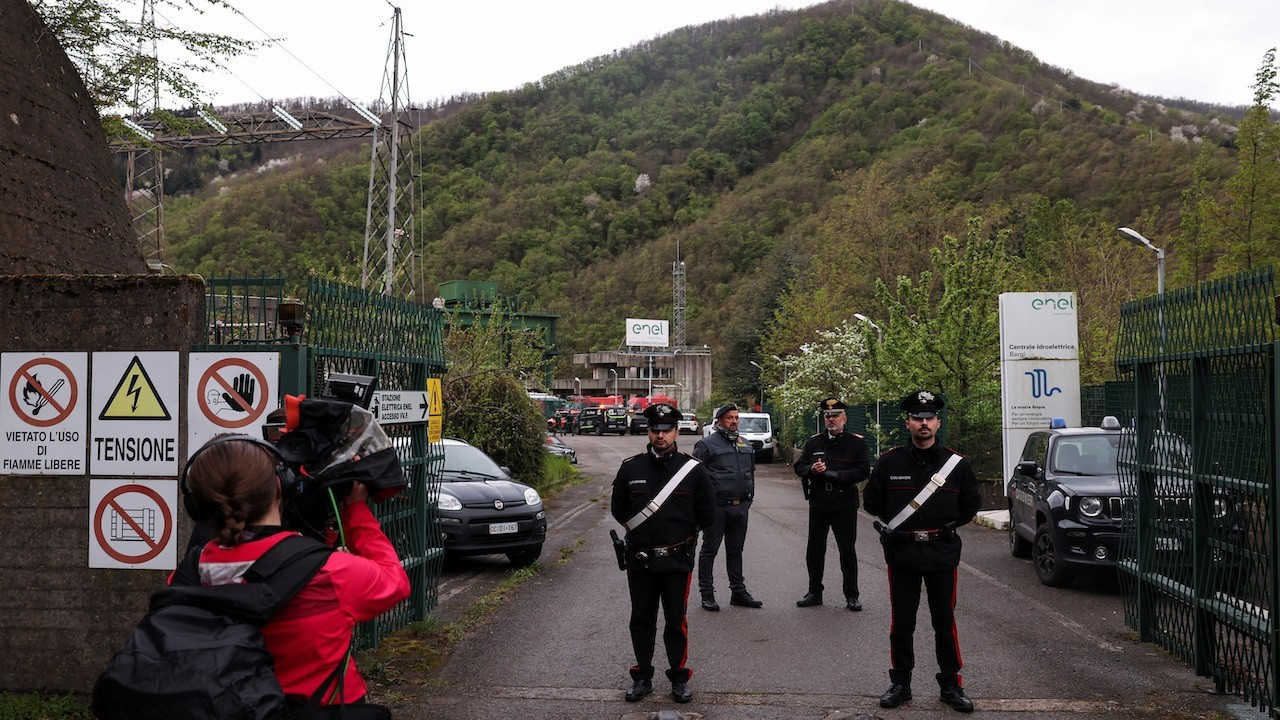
{"points": [[735, 501], [910, 536]]}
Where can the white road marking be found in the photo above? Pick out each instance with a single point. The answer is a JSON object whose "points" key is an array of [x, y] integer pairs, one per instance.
{"points": [[1043, 611]]}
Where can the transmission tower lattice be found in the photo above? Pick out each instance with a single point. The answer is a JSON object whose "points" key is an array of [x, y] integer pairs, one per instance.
{"points": [[144, 165], [677, 300], [390, 263]]}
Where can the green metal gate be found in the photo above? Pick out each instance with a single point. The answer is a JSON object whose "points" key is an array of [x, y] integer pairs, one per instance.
{"points": [[348, 330], [1197, 468]]}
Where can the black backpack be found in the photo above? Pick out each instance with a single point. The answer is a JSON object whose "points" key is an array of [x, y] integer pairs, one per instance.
{"points": [[199, 651]]}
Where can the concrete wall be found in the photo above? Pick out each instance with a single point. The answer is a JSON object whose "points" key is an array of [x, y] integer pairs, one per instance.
{"points": [[61, 207], [60, 621]]}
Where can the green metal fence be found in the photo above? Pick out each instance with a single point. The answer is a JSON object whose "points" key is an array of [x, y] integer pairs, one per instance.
{"points": [[1110, 398], [349, 330], [1198, 556]]}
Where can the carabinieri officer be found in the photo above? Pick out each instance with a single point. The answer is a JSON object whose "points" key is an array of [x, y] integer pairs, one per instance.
{"points": [[830, 468], [663, 497], [923, 492]]}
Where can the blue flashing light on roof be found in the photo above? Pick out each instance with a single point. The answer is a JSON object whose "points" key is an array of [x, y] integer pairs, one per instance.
{"points": [[1057, 422]]}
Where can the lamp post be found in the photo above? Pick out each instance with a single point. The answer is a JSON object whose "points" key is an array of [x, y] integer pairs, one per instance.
{"points": [[1135, 237], [578, 384], [650, 374], [879, 341], [615, 380], [760, 375]]}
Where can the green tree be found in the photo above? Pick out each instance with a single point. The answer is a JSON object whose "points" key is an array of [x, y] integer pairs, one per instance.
{"points": [[1251, 213], [110, 50], [943, 333], [485, 404]]}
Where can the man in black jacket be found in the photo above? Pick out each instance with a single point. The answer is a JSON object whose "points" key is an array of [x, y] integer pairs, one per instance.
{"points": [[730, 460], [921, 545], [660, 546], [831, 466]]}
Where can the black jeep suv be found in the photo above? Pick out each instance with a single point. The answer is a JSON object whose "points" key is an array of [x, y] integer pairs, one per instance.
{"points": [[1066, 505]]}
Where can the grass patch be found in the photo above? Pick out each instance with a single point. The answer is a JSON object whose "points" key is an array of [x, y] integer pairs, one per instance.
{"points": [[412, 654], [43, 706], [557, 474]]}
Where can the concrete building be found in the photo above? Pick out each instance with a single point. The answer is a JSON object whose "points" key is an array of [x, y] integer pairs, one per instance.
{"points": [[683, 373]]}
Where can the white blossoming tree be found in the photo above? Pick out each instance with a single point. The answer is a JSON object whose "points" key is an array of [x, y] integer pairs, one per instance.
{"points": [[835, 365]]}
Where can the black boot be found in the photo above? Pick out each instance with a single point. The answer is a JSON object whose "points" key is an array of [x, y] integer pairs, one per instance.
{"points": [[897, 694], [955, 697], [639, 688], [681, 692], [853, 603], [709, 602], [742, 598], [809, 600]]}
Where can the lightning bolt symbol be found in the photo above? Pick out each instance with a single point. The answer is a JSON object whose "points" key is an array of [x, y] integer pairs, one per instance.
{"points": [[136, 392]]}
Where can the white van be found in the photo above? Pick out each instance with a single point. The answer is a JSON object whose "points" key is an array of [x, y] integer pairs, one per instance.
{"points": [[756, 428]]}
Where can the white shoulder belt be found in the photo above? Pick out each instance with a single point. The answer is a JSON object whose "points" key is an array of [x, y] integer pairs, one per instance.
{"points": [[938, 480], [661, 497]]}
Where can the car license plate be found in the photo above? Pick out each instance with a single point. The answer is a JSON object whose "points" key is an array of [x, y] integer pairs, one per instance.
{"points": [[1168, 543], [503, 528]]}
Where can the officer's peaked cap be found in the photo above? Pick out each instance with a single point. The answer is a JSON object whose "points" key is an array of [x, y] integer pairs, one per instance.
{"points": [[831, 404], [922, 404], [662, 416]]}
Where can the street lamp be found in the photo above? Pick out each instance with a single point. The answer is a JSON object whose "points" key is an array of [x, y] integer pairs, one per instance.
{"points": [[760, 375], [879, 341], [578, 384], [615, 380], [1136, 238]]}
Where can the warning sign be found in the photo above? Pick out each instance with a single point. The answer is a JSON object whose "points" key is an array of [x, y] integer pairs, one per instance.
{"points": [[135, 396], [230, 393], [42, 413], [399, 406], [435, 411], [132, 524], [134, 432]]}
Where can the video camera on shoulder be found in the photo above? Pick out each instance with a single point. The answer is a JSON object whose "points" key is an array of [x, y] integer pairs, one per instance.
{"points": [[330, 442]]}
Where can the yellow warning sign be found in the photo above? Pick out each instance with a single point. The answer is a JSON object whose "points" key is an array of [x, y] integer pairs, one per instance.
{"points": [[435, 412], [135, 397]]}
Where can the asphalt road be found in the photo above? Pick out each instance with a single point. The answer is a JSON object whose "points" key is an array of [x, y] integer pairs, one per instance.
{"points": [[560, 647]]}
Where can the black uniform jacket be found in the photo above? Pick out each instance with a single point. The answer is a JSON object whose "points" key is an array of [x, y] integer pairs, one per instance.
{"points": [[690, 507], [898, 477], [847, 465], [732, 465]]}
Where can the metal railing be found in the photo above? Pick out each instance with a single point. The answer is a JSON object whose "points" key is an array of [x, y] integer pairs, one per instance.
{"points": [[350, 330], [1197, 466]]}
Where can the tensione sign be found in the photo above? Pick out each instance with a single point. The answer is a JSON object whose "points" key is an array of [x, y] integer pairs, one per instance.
{"points": [[650, 333]]}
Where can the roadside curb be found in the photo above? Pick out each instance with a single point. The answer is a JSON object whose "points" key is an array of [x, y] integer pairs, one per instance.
{"points": [[994, 519]]}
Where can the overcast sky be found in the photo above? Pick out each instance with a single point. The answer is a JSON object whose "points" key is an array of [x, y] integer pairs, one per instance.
{"points": [[1200, 49]]}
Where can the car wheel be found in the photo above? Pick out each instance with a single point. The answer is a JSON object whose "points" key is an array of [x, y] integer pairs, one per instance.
{"points": [[1048, 560], [766, 457], [1018, 546], [526, 557]]}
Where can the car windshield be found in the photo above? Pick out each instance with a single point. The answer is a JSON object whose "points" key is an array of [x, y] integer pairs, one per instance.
{"points": [[753, 425], [1087, 455], [468, 460]]}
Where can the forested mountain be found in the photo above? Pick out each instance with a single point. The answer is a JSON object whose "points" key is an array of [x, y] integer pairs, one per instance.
{"points": [[793, 157]]}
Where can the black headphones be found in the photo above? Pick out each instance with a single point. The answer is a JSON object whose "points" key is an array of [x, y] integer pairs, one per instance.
{"points": [[200, 510]]}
